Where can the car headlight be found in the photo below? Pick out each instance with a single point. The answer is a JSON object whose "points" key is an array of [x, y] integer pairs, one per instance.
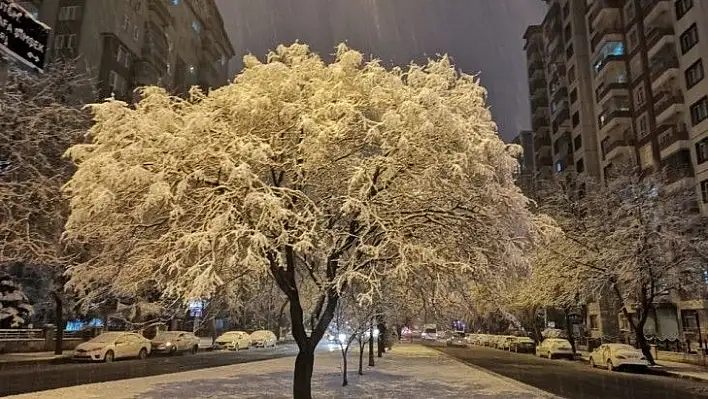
{"points": [[168, 343]]}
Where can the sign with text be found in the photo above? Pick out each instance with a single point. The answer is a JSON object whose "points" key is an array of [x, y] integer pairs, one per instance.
{"points": [[21, 36]]}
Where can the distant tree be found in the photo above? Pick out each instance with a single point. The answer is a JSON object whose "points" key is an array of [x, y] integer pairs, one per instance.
{"points": [[352, 322], [637, 238], [15, 309], [41, 116]]}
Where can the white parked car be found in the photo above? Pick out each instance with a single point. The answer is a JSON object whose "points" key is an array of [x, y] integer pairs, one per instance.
{"points": [[113, 345], [173, 342], [614, 356], [263, 339], [233, 340], [555, 347]]}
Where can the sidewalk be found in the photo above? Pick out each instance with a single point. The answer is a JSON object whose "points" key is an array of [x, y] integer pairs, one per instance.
{"points": [[674, 369], [409, 371]]}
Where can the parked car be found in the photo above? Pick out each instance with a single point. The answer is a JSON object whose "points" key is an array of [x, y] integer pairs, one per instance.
{"points": [[233, 340], [173, 342], [554, 348], [263, 339], [504, 342], [522, 345], [113, 345], [458, 339], [430, 332], [615, 356]]}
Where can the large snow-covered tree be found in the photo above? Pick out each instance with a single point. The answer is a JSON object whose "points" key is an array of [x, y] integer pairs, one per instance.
{"points": [[41, 116], [336, 173], [636, 237]]}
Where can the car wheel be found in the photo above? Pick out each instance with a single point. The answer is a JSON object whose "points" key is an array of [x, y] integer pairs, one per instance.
{"points": [[610, 366], [237, 347], [592, 362], [550, 355], [173, 350], [142, 354], [109, 357], [194, 350]]}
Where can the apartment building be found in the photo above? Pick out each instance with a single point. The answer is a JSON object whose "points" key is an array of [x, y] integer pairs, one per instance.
{"points": [[526, 162], [561, 94], [642, 62], [125, 44]]}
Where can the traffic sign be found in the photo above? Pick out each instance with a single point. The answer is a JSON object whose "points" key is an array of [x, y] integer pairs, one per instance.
{"points": [[21, 36]]}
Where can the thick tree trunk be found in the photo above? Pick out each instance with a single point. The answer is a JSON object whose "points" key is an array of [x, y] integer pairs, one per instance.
{"points": [[59, 321], [371, 344], [638, 329], [304, 364], [381, 340], [361, 357], [569, 329]]}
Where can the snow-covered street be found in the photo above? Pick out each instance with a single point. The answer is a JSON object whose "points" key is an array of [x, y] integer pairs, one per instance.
{"points": [[408, 371]]}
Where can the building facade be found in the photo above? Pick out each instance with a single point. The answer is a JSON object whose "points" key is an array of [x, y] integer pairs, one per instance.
{"points": [[126, 44], [637, 92]]}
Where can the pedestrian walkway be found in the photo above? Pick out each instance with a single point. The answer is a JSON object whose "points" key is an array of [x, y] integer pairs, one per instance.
{"points": [[408, 371], [676, 369]]}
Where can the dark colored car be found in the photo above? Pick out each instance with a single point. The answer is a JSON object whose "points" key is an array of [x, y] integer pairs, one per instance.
{"points": [[522, 345]]}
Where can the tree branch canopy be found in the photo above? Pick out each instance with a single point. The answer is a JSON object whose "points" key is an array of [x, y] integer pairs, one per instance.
{"points": [[365, 172]]}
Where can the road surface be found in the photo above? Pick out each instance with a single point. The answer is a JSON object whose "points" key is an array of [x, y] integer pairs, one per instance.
{"points": [[48, 376], [575, 379]]}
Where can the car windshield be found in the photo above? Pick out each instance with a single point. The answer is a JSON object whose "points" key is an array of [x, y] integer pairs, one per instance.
{"points": [[430, 331], [168, 335], [622, 347], [106, 338]]}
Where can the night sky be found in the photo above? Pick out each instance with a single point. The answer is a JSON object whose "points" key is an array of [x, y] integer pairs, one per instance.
{"points": [[482, 36]]}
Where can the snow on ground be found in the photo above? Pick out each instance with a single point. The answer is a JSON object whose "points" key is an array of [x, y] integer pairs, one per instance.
{"points": [[407, 372]]}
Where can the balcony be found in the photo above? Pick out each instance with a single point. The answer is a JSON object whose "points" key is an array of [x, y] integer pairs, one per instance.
{"points": [[535, 65], [617, 88], [540, 142], [539, 115], [670, 134], [677, 166], [667, 105], [612, 118], [539, 93], [658, 38], [657, 13], [603, 11], [560, 114], [607, 63], [539, 102], [662, 69], [559, 93], [158, 9], [610, 149], [609, 34], [537, 123], [536, 84]]}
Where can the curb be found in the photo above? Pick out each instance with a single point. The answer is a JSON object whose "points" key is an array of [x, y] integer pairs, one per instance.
{"points": [[538, 391], [660, 370]]}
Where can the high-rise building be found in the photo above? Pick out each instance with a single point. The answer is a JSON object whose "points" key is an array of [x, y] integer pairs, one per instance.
{"points": [[633, 76], [561, 91], [125, 44]]}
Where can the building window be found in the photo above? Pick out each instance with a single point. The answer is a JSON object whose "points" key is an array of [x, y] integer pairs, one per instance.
{"points": [[566, 9], [126, 23], [196, 26], [567, 32], [569, 51], [175, 2], [632, 40], [571, 75], [704, 191], [123, 56], [702, 151], [689, 38], [681, 7], [58, 42], [643, 126], [577, 143], [580, 166], [694, 74], [629, 11], [71, 42], [573, 96], [594, 325], [70, 13], [136, 33], [639, 96], [576, 118], [699, 111], [117, 84], [192, 70]]}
